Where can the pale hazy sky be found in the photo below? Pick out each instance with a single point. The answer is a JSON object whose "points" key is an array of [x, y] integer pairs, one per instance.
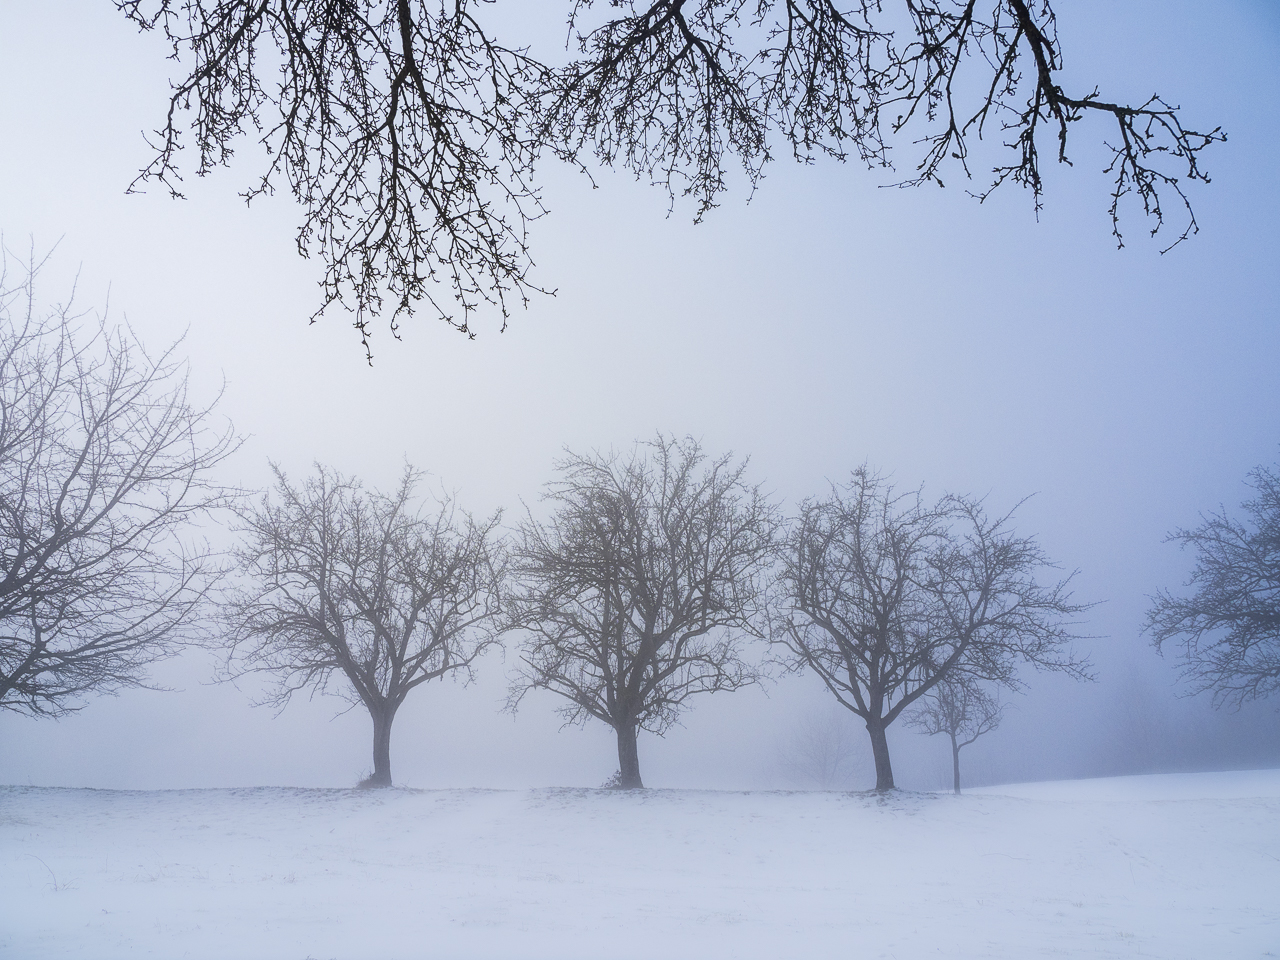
{"points": [[826, 323]]}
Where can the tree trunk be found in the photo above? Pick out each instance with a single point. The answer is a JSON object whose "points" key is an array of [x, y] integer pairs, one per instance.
{"points": [[628, 758], [381, 776], [880, 750], [955, 762]]}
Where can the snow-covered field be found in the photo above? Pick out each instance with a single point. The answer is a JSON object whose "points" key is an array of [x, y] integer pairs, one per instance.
{"points": [[1169, 866]]}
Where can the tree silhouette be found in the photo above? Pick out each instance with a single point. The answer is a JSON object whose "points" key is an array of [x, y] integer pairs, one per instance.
{"points": [[888, 596], [365, 595], [409, 134], [640, 590]]}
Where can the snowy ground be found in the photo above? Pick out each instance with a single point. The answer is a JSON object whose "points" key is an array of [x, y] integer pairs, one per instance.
{"points": [[1169, 867]]}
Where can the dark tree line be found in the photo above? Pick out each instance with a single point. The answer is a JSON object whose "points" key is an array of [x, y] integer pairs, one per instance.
{"points": [[409, 132], [648, 583], [657, 575]]}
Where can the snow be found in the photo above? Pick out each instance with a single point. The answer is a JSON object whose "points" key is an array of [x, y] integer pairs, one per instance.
{"points": [[1170, 867], [1228, 785]]}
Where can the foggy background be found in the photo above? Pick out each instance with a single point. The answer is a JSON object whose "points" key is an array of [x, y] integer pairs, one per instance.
{"points": [[827, 323]]}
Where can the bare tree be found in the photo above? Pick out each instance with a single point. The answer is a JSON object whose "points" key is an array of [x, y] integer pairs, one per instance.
{"points": [[397, 126], [960, 708], [890, 595], [106, 470], [821, 751], [409, 134], [1228, 630], [643, 587], [363, 595]]}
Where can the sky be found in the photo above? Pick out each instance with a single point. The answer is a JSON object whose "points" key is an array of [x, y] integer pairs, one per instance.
{"points": [[826, 323]]}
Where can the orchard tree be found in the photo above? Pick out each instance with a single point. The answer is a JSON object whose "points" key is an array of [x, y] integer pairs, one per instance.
{"points": [[362, 594], [643, 587], [960, 708], [107, 470], [888, 596], [409, 132], [1228, 630]]}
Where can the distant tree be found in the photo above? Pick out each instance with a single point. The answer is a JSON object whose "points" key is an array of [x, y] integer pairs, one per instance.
{"points": [[820, 751], [642, 588], [409, 134], [106, 471], [960, 708], [1228, 630], [889, 596], [363, 595]]}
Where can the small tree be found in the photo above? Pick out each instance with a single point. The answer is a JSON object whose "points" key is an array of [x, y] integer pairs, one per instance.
{"points": [[821, 751], [364, 595], [106, 467], [960, 708], [642, 588], [890, 595], [1229, 628]]}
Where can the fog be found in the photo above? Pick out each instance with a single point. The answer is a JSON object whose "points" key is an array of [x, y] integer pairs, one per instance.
{"points": [[829, 322]]}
